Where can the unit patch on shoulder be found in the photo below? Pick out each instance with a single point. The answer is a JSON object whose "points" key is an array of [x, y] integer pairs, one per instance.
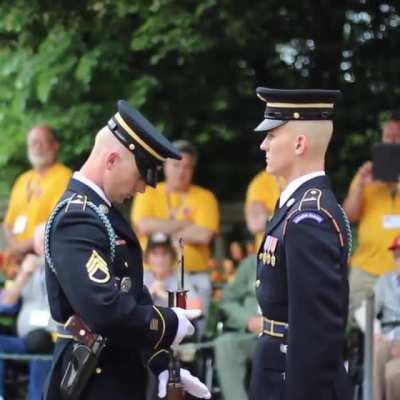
{"points": [[308, 215], [97, 268]]}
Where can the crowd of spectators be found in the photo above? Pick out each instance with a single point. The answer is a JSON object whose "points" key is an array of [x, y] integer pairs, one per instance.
{"points": [[178, 209]]}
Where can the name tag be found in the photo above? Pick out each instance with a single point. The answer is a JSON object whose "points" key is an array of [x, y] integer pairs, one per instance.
{"points": [[20, 224], [391, 221], [39, 318]]}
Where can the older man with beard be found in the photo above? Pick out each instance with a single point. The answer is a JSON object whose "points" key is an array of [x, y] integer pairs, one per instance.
{"points": [[35, 192]]}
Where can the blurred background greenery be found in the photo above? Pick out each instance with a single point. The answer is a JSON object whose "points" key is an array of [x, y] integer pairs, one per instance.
{"points": [[192, 68]]}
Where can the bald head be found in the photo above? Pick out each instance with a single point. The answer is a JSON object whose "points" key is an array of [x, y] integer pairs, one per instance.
{"points": [[113, 168], [106, 143]]}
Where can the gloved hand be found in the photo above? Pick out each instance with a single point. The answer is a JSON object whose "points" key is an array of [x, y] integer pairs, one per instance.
{"points": [[185, 327], [190, 383]]}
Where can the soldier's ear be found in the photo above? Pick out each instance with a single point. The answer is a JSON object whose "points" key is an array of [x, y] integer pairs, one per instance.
{"points": [[300, 144], [111, 159]]}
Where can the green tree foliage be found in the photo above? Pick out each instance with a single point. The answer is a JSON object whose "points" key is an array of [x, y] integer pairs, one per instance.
{"points": [[192, 67]]}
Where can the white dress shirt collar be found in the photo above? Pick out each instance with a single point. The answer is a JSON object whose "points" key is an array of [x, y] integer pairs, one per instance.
{"points": [[79, 177], [295, 184]]}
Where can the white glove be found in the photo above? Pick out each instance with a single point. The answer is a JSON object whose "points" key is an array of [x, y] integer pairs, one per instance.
{"points": [[190, 383], [185, 327]]}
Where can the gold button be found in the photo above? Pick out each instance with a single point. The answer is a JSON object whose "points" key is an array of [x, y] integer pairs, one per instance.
{"points": [[98, 370], [296, 115], [131, 146], [258, 283]]}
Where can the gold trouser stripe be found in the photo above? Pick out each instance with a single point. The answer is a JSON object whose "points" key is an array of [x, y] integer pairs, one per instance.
{"points": [[301, 105], [163, 327], [138, 139]]}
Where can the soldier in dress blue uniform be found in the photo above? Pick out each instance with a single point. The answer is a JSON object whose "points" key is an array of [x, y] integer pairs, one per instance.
{"points": [[302, 263], [95, 272]]}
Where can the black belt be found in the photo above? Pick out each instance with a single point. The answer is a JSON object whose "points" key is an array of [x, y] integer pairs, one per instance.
{"points": [[274, 328]]}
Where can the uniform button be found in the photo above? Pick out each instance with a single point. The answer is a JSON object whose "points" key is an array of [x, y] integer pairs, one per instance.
{"points": [[258, 283], [98, 370]]}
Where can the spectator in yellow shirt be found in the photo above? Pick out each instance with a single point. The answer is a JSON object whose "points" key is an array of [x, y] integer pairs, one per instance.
{"points": [[35, 192], [262, 194], [375, 206], [181, 209]]}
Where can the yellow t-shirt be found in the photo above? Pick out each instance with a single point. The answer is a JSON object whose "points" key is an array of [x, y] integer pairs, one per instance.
{"points": [[266, 189], [33, 196], [198, 205], [378, 226]]}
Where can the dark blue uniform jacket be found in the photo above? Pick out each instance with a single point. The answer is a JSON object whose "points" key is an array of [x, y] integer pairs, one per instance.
{"points": [[103, 284], [302, 269]]}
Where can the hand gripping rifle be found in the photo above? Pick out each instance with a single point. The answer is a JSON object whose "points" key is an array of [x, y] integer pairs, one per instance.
{"points": [[176, 299]]}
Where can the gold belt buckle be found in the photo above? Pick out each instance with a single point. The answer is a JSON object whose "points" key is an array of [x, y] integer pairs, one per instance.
{"points": [[271, 330]]}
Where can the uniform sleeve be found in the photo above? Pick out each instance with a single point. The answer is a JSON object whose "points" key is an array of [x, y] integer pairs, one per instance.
{"points": [[316, 306], [142, 206], [80, 251], [207, 215]]}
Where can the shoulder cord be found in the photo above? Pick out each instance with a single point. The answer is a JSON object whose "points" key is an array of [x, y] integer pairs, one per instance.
{"points": [[110, 231], [348, 231]]}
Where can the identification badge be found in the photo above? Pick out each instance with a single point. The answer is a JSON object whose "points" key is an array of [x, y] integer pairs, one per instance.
{"points": [[391, 221], [39, 318], [20, 224]]}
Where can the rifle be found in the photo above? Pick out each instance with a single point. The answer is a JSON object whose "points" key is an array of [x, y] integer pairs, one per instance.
{"points": [[176, 299], [83, 360]]}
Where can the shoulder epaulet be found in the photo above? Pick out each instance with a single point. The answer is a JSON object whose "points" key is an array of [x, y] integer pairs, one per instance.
{"points": [[309, 204], [311, 200], [76, 199], [83, 202]]}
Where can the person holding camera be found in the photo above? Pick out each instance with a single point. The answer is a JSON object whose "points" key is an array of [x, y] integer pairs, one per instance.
{"points": [[375, 206]]}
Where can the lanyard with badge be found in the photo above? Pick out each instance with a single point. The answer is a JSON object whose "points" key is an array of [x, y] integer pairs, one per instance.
{"points": [[32, 189], [174, 211]]}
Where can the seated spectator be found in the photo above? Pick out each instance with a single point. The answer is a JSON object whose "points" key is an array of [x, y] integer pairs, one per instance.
{"points": [[162, 276], [33, 322], [35, 192], [375, 206], [387, 339], [233, 349], [236, 252]]}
